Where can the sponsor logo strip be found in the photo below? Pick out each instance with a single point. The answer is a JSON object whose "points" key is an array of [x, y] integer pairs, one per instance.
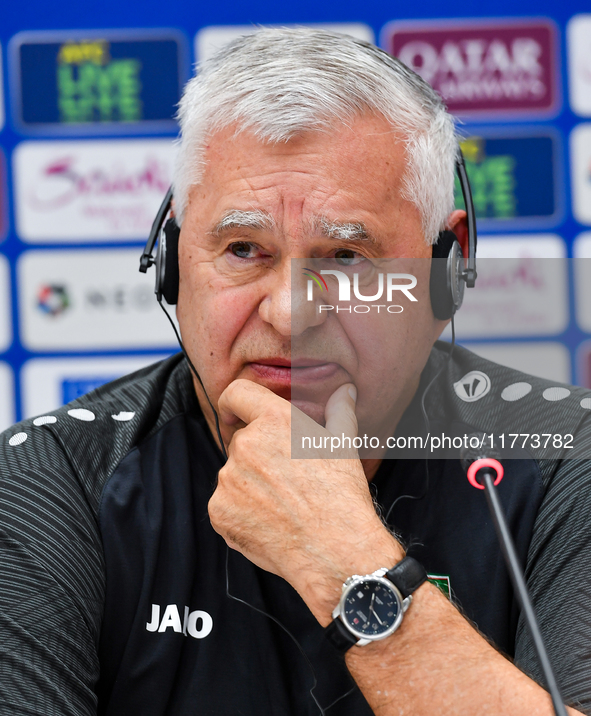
{"points": [[89, 300], [7, 416], [482, 68], [549, 360], [48, 383], [579, 64], [96, 82], [580, 147], [513, 179], [3, 196], [211, 39], [582, 274], [1, 91], [522, 289], [5, 313], [90, 190]]}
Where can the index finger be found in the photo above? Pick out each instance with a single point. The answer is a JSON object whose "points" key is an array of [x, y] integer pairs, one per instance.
{"points": [[246, 401]]}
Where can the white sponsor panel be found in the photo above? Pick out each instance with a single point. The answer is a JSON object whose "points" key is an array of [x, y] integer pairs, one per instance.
{"points": [[546, 359], [582, 246], [7, 416], [90, 190], [521, 289], [584, 369], [48, 383], [578, 35], [89, 300], [582, 273], [5, 317], [1, 91], [580, 152], [211, 39], [515, 246]]}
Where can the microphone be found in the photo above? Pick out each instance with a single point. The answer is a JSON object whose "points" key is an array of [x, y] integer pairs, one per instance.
{"points": [[477, 462], [484, 471]]}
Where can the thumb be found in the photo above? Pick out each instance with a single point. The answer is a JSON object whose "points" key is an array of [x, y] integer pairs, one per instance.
{"points": [[340, 411]]}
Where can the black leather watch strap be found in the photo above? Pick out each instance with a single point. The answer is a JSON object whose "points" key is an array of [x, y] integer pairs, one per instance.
{"points": [[339, 636], [407, 575]]}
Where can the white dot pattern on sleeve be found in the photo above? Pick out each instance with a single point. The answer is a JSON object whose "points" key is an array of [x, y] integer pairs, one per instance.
{"points": [[556, 393], [123, 416], [17, 439], [516, 391], [44, 420], [82, 414]]}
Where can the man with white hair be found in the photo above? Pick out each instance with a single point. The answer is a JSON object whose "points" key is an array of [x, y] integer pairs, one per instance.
{"points": [[141, 573]]}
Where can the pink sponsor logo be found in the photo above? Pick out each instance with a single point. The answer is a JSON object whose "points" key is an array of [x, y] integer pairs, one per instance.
{"points": [[61, 183], [482, 68]]}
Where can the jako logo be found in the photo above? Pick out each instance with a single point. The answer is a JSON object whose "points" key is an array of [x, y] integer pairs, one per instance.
{"points": [[197, 624], [344, 283], [473, 386]]}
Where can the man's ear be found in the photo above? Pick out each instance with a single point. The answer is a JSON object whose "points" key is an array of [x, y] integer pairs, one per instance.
{"points": [[457, 222]]}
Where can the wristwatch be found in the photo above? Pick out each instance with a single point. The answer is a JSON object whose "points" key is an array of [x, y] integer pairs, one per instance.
{"points": [[372, 606]]}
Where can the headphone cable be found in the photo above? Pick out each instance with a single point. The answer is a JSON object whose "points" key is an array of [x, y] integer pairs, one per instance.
{"points": [[227, 565], [215, 414]]}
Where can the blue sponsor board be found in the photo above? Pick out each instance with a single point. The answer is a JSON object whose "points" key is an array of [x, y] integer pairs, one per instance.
{"points": [[102, 83], [514, 180], [73, 388]]}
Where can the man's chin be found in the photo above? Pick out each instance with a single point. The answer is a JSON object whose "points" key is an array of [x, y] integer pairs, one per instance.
{"points": [[283, 391], [312, 410]]}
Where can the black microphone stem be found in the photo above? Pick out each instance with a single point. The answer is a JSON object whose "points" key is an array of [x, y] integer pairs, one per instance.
{"points": [[486, 477]]}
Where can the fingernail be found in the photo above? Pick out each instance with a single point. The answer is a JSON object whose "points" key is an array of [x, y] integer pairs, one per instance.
{"points": [[352, 392]]}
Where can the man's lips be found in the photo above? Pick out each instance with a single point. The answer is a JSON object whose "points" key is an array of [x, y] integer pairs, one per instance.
{"points": [[287, 372]]}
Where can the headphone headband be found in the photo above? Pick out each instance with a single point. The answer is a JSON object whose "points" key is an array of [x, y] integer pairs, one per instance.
{"points": [[469, 274], [447, 279], [147, 258]]}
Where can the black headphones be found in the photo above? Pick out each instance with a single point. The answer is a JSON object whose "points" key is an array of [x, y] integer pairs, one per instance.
{"points": [[449, 278], [447, 282]]}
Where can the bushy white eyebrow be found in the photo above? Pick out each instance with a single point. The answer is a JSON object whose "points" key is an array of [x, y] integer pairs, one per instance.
{"points": [[245, 219], [345, 231], [261, 220]]}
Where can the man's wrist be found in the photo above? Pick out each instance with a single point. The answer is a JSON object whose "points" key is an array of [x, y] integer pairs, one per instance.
{"points": [[322, 593], [372, 606]]}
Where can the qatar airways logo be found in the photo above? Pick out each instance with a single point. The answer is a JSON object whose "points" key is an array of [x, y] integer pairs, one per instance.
{"points": [[482, 66], [388, 284]]}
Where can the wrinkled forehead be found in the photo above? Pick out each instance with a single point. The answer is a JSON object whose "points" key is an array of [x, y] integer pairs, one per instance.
{"points": [[337, 180], [366, 144]]}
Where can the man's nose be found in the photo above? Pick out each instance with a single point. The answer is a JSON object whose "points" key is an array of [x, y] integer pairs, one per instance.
{"points": [[289, 306]]}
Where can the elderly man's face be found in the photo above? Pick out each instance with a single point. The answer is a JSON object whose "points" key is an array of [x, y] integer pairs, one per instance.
{"points": [[260, 205]]}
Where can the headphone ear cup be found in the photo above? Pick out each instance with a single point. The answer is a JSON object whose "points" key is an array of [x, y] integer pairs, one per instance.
{"points": [[445, 300], [167, 279]]}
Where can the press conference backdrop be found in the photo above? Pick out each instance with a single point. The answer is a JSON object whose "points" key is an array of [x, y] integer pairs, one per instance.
{"points": [[87, 102]]}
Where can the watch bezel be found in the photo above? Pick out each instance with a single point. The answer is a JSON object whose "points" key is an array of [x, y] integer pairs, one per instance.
{"points": [[354, 582]]}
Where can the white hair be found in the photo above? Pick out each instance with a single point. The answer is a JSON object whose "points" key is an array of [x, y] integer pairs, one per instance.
{"points": [[278, 83]]}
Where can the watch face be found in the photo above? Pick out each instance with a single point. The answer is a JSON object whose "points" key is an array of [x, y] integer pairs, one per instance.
{"points": [[371, 608]]}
